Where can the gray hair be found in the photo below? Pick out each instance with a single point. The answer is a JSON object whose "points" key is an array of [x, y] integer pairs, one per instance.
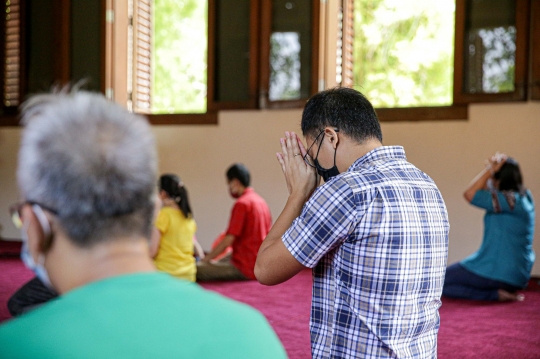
{"points": [[92, 162]]}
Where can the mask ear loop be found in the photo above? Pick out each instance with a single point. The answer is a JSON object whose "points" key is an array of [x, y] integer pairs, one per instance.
{"points": [[318, 149], [335, 151], [45, 226]]}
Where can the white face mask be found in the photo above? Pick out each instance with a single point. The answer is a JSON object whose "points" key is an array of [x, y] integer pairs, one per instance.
{"points": [[38, 268]]}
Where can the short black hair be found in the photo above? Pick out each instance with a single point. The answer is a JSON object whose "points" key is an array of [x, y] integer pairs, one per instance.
{"points": [[345, 109], [240, 172]]}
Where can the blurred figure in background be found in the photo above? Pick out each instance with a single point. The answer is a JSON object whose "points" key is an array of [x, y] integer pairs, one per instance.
{"points": [[503, 264], [249, 224], [172, 245]]}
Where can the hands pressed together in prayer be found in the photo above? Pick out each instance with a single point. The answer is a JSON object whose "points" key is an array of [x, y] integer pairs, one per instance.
{"points": [[275, 263], [301, 178]]}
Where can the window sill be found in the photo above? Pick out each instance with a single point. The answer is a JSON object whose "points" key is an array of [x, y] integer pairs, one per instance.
{"points": [[209, 118], [9, 121], [384, 114], [455, 112]]}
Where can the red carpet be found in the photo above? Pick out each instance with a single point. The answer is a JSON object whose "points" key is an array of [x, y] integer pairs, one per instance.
{"points": [[10, 248], [468, 329], [471, 330], [286, 306], [13, 274]]}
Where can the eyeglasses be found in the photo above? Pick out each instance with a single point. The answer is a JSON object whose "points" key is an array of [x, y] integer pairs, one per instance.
{"points": [[15, 211], [307, 158]]}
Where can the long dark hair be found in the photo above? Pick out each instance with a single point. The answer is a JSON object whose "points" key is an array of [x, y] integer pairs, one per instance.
{"points": [[509, 177], [175, 189]]}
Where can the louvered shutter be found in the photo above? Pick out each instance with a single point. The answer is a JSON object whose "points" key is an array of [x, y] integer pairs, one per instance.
{"points": [[347, 40], [142, 55], [12, 65]]}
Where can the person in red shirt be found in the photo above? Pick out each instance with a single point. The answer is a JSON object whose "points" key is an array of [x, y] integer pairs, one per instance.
{"points": [[249, 224]]}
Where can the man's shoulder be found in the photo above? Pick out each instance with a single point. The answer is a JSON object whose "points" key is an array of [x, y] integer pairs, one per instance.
{"points": [[136, 308], [365, 180], [350, 181], [251, 197], [385, 171]]}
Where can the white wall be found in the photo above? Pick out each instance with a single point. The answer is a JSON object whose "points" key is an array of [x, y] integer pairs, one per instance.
{"points": [[451, 152], [9, 144]]}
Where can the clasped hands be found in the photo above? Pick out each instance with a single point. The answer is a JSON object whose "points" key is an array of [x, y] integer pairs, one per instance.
{"points": [[301, 178]]}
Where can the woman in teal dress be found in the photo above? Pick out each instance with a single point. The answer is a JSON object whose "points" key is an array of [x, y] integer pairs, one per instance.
{"points": [[503, 264]]}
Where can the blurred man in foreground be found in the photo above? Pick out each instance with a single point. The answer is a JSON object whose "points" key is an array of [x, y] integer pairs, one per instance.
{"points": [[87, 174]]}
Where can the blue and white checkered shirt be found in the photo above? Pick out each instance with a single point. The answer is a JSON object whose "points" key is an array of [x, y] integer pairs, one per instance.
{"points": [[376, 237]]}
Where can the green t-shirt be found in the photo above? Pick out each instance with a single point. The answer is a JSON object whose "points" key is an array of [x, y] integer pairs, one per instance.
{"points": [[143, 315]]}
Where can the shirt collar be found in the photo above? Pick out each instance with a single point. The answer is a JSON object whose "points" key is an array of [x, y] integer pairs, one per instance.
{"points": [[247, 190], [378, 154]]}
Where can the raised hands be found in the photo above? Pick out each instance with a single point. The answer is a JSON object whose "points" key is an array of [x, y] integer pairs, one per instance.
{"points": [[496, 161], [301, 179]]}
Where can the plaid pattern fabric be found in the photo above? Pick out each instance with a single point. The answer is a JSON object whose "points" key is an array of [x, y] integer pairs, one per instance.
{"points": [[376, 237]]}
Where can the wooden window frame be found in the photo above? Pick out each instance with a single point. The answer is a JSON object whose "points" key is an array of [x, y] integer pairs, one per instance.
{"points": [[455, 111], [212, 104], [534, 79], [9, 116], [459, 108], [266, 26], [259, 76], [521, 61], [259, 71], [115, 77], [62, 65]]}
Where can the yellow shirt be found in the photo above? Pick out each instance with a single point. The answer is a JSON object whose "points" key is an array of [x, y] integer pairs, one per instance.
{"points": [[175, 254]]}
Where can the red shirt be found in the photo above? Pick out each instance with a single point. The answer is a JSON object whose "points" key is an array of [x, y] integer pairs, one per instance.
{"points": [[250, 223]]}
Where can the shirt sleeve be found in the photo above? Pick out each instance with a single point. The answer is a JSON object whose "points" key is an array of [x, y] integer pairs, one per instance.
{"points": [[484, 199], [162, 221], [238, 216], [326, 221]]}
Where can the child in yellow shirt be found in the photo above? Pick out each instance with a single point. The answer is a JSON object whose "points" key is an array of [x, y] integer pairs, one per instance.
{"points": [[172, 238]]}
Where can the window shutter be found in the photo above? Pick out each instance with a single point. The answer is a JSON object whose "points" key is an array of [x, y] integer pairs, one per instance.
{"points": [[142, 55], [346, 40], [535, 49], [12, 65]]}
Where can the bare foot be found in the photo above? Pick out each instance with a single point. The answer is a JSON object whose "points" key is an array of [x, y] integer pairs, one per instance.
{"points": [[505, 296]]}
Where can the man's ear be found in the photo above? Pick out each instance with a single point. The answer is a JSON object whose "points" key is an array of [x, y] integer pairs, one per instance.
{"points": [[36, 237], [332, 136]]}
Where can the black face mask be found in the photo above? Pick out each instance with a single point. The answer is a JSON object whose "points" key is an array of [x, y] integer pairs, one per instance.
{"points": [[323, 172]]}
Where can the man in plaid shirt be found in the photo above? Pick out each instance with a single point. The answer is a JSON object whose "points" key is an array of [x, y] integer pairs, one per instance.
{"points": [[375, 234]]}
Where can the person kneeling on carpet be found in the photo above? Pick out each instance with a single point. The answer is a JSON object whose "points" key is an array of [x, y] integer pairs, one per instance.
{"points": [[248, 226], [504, 261], [87, 172], [172, 243]]}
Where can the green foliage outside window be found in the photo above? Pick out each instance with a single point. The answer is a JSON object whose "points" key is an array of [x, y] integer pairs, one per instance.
{"points": [[179, 56], [404, 52]]}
